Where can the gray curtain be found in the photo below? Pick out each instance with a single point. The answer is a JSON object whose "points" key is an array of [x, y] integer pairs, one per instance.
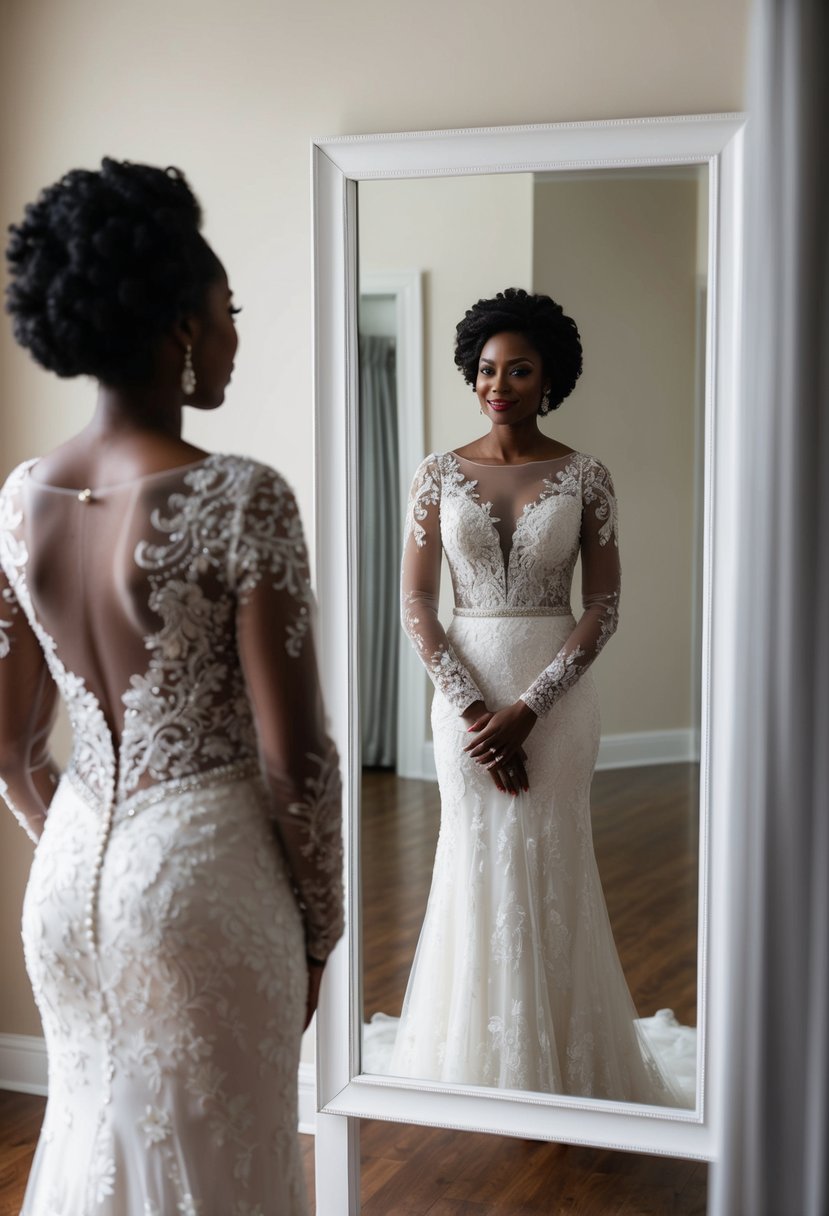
{"points": [[775, 1158], [380, 563]]}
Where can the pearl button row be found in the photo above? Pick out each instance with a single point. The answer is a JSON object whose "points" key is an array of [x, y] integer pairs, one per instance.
{"points": [[95, 879], [91, 909], [224, 772]]}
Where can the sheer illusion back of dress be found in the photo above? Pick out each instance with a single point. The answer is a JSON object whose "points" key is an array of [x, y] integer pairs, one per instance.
{"points": [[173, 615]]}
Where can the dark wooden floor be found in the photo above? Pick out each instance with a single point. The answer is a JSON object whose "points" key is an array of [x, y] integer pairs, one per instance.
{"points": [[417, 1171], [645, 831]]}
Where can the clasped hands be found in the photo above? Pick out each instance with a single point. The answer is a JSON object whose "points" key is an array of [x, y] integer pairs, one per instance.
{"points": [[497, 745]]}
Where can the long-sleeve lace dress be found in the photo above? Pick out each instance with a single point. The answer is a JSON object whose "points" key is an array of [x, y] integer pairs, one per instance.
{"points": [[516, 980], [190, 855]]}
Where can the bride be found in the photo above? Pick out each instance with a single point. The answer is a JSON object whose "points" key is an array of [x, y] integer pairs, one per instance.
{"points": [[186, 886], [516, 980]]}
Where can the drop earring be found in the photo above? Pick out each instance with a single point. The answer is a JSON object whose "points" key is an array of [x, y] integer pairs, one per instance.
{"points": [[188, 376], [545, 407]]}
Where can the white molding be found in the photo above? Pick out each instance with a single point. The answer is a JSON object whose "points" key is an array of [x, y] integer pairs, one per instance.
{"points": [[307, 1090], [636, 749], [660, 173], [698, 541], [532, 148], [23, 1064], [641, 749], [334, 248], [345, 1095], [24, 1070], [405, 287]]}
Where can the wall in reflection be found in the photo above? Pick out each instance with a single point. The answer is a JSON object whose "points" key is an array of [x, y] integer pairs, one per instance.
{"points": [[625, 253]]}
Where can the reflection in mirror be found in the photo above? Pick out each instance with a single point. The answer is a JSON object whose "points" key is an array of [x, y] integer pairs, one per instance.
{"points": [[484, 922]]}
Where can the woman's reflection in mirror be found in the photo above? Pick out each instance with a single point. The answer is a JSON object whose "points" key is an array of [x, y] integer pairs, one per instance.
{"points": [[516, 981]]}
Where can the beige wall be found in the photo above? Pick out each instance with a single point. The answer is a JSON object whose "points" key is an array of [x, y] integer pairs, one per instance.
{"points": [[466, 236], [620, 256], [233, 94]]}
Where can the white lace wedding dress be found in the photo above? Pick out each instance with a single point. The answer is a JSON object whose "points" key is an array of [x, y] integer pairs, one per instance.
{"points": [[516, 981], [191, 853]]}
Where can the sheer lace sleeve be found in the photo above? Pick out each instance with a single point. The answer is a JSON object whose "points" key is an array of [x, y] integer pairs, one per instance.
{"points": [[420, 590], [601, 581], [28, 700], [276, 648]]}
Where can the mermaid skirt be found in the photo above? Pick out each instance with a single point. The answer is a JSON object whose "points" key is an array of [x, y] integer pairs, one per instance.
{"points": [[516, 981], [169, 974]]}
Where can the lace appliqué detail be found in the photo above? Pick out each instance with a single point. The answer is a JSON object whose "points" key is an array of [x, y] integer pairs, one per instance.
{"points": [[237, 525], [411, 620], [6, 625], [189, 710], [598, 488], [591, 482], [538, 574], [452, 679], [272, 544], [469, 536], [181, 713], [425, 494], [436, 478], [315, 817], [508, 1047], [553, 682], [5, 794], [608, 609], [508, 938], [445, 670]]}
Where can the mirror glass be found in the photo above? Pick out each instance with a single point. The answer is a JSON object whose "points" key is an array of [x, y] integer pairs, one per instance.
{"points": [[520, 982]]}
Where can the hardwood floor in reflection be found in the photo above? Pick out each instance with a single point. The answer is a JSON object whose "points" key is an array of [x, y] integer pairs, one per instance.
{"points": [[646, 836]]}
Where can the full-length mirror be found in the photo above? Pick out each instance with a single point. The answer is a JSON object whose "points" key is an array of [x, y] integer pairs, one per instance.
{"points": [[544, 962], [486, 923]]}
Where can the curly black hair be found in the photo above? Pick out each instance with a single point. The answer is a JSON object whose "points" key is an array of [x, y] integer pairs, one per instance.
{"points": [[102, 264], [545, 324]]}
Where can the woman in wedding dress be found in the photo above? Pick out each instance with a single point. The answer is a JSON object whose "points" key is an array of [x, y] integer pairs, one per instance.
{"points": [[516, 980], [186, 885]]}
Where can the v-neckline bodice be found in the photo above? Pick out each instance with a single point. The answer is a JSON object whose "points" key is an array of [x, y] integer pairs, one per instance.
{"points": [[509, 541]]}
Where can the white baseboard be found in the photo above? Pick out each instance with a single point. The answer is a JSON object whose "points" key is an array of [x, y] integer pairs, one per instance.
{"points": [[634, 750], [23, 1069], [23, 1066], [642, 748], [307, 1082]]}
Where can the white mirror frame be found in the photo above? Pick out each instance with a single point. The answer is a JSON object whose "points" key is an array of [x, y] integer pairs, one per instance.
{"points": [[343, 1095]]}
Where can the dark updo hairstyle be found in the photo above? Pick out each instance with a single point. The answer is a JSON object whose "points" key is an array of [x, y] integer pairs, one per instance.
{"points": [[102, 264], [545, 325]]}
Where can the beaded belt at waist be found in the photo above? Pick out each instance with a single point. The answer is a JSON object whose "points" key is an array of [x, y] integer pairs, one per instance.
{"points": [[562, 610], [236, 770]]}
